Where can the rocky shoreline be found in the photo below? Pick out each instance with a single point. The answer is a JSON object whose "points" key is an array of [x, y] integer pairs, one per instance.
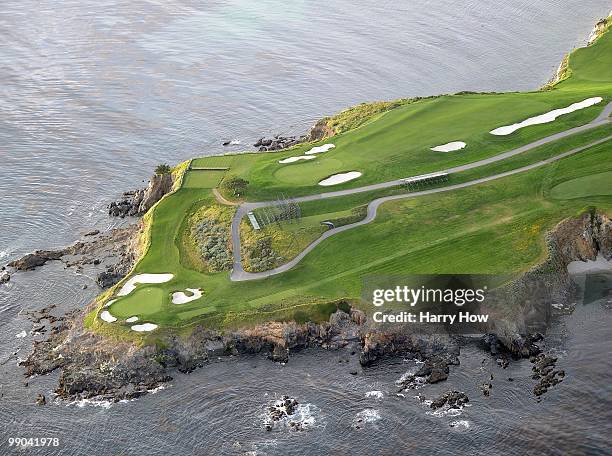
{"points": [[91, 367], [137, 202]]}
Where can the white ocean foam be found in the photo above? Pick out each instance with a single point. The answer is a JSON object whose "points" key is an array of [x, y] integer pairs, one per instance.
{"points": [[375, 394], [145, 327], [297, 158], [21, 335], [460, 424], [304, 415], [130, 285], [3, 253], [181, 298], [107, 317], [106, 404], [449, 147], [546, 117], [452, 412], [340, 178], [320, 149], [366, 416]]}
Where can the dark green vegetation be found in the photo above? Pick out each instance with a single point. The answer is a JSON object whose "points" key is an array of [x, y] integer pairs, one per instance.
{"points": [[162, 169], [496, 227]]}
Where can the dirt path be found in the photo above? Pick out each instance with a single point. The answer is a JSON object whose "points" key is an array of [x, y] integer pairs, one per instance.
{"points": [[221, 200]]}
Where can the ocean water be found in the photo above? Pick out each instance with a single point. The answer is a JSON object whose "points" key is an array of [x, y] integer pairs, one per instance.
{"points": [[94, 94]]}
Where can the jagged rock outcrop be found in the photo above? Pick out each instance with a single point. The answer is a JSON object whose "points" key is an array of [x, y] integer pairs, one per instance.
{"points": [[545, 373], [4, 276], [279, 142], [398, 340], [36, 259], [138, 202], [454, 399], [526, 304], [116, 250], [320, 130]]}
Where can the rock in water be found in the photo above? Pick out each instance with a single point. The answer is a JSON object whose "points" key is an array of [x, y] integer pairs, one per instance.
{"points": [[544, 371], [33, 260], [284, 407], [454, 399], [41, 399], [4, 277]]}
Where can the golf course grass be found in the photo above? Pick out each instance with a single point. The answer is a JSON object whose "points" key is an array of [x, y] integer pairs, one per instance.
{"points": [[497, 227], [593, 185]]}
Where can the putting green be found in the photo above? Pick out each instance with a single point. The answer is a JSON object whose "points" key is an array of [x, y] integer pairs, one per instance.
{"points": [[142, 301], [593, 185]]}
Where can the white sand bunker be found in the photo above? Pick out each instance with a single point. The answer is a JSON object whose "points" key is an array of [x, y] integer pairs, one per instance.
{"points": [[109, 303], [296, 158], [131, 320], [449, 147], [130, 285], [340, 178], [107, 317], [144, 327], [320, 149], [181, 298], [546, 117]]}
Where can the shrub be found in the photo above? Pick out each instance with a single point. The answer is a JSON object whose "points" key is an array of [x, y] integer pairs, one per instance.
{"points": [[162, 169], [261, 256], [212, 239], [235, 184]]}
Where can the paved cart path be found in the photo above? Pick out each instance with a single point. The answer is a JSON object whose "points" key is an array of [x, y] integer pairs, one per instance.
{"points": [[239, 274]]}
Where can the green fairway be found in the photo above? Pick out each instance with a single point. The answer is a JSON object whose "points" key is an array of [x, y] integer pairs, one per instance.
{"points": [[496, 227], [593, 185], [398, 143]]}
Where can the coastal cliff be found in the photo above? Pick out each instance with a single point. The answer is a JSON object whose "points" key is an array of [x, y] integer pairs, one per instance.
{"points": [[93, 366]]}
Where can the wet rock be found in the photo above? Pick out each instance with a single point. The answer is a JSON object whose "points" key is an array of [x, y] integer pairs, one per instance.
{"points": [[36, 259], [454, 399], [4, 277], [435, 369], [92, 233], [278, 142], [517, 346], [107, 279], [502, 362], [282, 408], [545, 373], [279, 354], [486, 388], [41, 399]]}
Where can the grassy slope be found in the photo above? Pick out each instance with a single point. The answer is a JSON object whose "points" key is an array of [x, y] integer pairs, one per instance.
{"points": [[495, 227]]}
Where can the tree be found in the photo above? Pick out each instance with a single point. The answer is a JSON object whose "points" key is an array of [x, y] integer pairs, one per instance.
{"points": [[236, 185], [162, 169]]}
